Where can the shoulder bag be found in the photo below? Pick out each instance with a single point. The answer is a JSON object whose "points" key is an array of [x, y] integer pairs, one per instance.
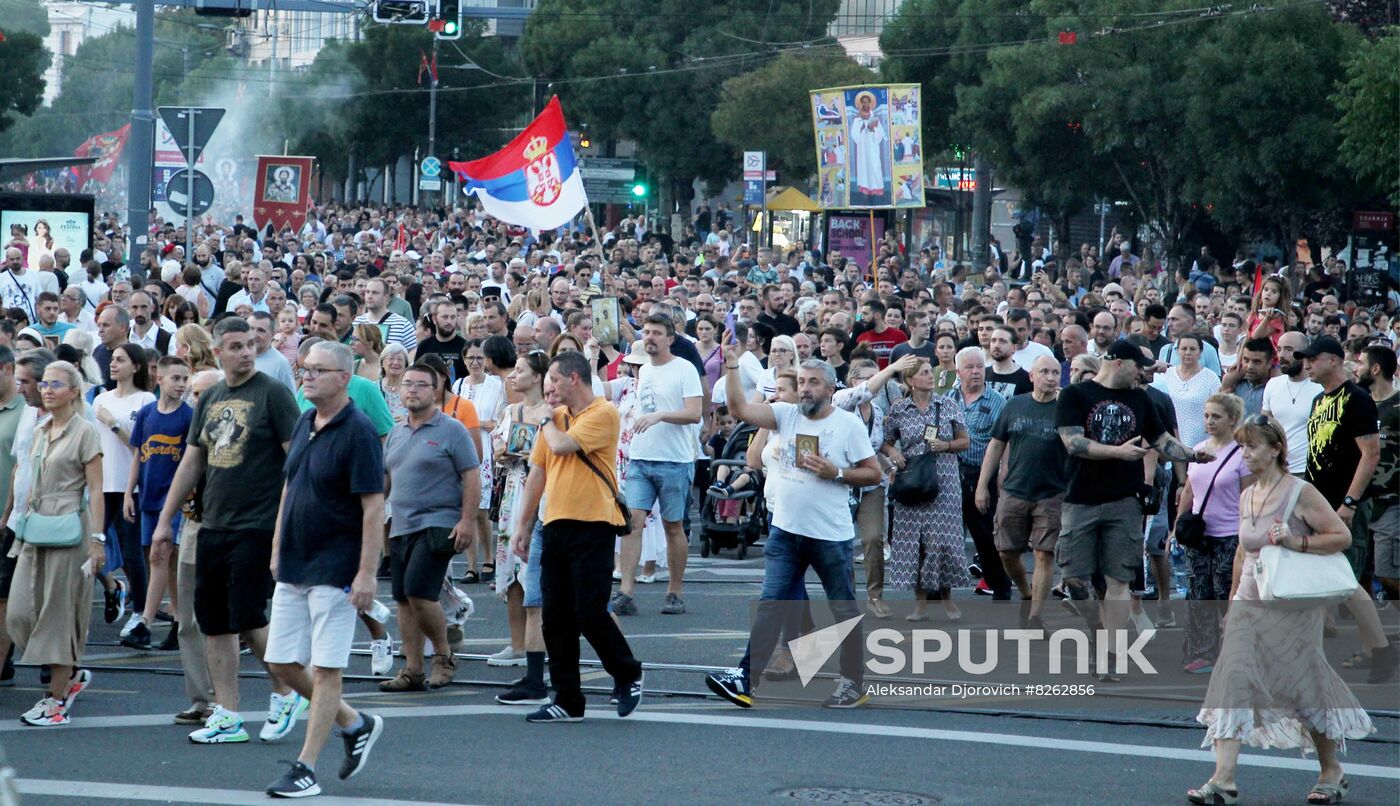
{"points": [[917, 483], [1190, 526], [1288, 575], [48, 531]]}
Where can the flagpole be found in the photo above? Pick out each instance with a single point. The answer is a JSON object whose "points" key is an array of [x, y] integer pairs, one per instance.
{"points": [[597, 240]]}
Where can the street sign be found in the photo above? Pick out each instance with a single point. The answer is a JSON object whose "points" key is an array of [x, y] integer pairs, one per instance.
{"points": [[431, 167], [177, 193], [753, 192], [191, 126], [432, 183], [755, 162], [609, 179]]}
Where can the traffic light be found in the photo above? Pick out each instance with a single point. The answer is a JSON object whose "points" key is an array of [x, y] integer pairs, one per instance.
{"points": [[584, 142], [640, 189], [448, 19], [407, 12]]}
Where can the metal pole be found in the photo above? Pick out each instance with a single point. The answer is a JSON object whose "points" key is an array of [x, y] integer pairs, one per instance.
{"points": [[763, 196], [1103, 213], [141, 142], [189, 188], [432, 108], [272, 62]]}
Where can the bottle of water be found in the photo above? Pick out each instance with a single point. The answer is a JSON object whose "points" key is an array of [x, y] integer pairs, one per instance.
{"points": [[1178, 555], [379, 612]]}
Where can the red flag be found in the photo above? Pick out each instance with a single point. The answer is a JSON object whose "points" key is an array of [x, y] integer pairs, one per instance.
{"points": [[422, 65], [1069, 38], [401, 243], [107, 148], [433, 69], [1258, 279]]}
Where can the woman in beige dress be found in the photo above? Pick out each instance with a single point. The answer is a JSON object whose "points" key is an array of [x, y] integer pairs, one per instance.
{"points": [[1272, 685], [50, 601]]}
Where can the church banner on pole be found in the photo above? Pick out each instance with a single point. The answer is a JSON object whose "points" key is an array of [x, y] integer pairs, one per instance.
{"points": [[869, 142]]}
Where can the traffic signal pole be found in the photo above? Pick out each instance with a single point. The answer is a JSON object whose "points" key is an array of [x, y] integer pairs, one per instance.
{"points": [[432, 104], [141, 142]]}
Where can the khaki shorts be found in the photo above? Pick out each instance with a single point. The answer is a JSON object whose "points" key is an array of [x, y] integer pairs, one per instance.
{"points": [[1022, 524], [1101, 538]]}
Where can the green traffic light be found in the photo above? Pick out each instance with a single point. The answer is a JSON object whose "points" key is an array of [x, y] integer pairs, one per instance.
{"points": [[639, 189], [449, 27]]}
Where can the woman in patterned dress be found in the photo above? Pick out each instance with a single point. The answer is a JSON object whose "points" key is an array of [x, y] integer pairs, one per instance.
{"points": [[1272, 685], [487, 393], [527, 380], [926, 540]]}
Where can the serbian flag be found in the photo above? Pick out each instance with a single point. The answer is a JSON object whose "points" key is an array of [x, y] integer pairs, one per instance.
{"points": [[535, 181]]}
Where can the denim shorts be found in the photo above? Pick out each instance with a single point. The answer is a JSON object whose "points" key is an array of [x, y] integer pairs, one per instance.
{"points": [[530, 581], [667, 482], [148, 526]]}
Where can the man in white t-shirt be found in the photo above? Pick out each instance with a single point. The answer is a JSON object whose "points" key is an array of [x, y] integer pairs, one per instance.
{"points": [[662, 460], [1288, 398], [1027, 351], [19, 287], [823, 452]]}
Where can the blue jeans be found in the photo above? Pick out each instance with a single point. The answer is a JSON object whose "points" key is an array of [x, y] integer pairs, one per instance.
{"points": [[786, 559]]}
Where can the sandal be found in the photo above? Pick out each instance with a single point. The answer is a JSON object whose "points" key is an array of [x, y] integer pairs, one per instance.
{"points": [[471, 578], [1357, 661], [1213, 794], [1330, 793], [878, 609], [488, 572]]}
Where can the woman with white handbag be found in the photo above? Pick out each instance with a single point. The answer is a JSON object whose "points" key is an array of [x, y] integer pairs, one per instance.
{"points": [[1272, 685]]}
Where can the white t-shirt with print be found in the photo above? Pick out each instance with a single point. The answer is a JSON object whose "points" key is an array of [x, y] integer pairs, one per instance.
{"points": [[660, 388], [805, 503]]}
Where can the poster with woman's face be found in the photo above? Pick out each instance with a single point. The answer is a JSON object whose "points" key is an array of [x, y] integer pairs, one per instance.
{"points": [[282, 183], [44, 232]]}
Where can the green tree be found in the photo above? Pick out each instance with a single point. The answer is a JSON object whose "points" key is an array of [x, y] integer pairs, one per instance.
{"points": [[652, 70], [749, 104], [23, 61], [1366, 102]]}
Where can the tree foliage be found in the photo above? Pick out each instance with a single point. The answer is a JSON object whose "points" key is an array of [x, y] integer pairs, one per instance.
{"points": [[652, 70], [779, 91], [1367, 103], [23, 61]]}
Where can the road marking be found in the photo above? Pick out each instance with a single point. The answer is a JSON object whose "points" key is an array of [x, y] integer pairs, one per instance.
{"points": [[806, 725], [105, 791]]}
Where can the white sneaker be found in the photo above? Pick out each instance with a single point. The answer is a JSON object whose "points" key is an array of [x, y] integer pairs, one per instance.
{"points": [[131, 624], [646, 579], [282, 713], [506, 657], [381, 656]]}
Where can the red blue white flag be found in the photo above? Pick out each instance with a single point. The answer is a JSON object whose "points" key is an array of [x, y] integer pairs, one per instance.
{"points": [[535, 181]]}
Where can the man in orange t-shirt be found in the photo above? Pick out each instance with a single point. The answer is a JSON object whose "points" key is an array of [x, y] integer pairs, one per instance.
{"points": [[572, 466]]}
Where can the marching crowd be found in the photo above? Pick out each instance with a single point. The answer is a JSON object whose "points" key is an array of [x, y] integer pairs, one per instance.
{"points": [[256, 432]]}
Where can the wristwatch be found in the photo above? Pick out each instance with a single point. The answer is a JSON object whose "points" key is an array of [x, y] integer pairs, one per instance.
{"points": [[840, 474], [98, 537], [545, 421], [1350, 503], [116, 427]]}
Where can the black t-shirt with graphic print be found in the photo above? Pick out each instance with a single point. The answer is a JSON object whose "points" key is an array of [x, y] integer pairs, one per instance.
{"points": [[1338, 419], [1111, 417], [241, 431]]}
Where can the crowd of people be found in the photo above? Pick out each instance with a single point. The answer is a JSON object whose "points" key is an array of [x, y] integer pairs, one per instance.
{"points": [[381, 390]]}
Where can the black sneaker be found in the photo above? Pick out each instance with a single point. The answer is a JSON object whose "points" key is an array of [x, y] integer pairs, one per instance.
{"points": [[358, 745], [172, 639], [139, 637], [1383, 664], [7, 674], [552, 713], [847, 695], [161, 615], [628, 699], [732, 685], [113, 603], [522, 693], [299, 781], [622, 605]]}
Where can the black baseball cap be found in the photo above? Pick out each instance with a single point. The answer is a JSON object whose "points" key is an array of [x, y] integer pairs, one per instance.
{"points": [[1320, 345], [1127, 351]]}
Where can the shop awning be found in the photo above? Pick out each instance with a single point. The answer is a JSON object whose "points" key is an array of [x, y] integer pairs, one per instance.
{"points": [[790, 198]]}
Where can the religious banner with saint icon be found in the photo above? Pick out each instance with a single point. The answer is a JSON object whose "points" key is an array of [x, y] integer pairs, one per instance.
{"points": [[869, 146]]}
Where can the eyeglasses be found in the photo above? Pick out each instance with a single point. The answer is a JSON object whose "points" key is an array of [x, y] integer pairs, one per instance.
{"points": [[54, 385], [316, 372], [420, 386], [1260, 420]]}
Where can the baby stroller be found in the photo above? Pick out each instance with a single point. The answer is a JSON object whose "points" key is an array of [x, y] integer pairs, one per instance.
{"points": [[733, 518]]}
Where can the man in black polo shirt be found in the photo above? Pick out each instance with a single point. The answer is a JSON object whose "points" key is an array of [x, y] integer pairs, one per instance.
{"points": [[773, 314], [325, 552]]}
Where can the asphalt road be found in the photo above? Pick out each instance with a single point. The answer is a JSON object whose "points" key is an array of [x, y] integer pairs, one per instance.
{"points": [[683, 746]]}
